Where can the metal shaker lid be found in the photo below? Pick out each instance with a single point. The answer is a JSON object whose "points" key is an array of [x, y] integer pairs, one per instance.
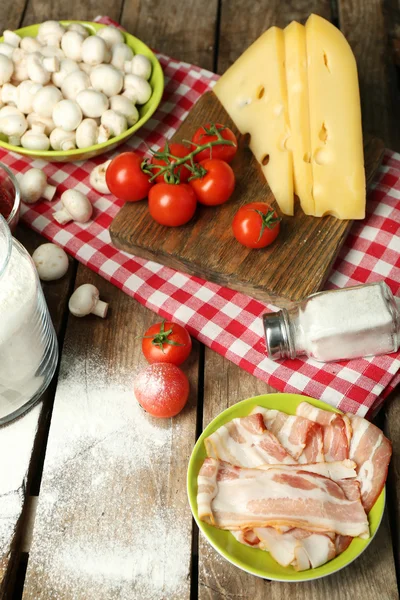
{"points": [[277, 335]]}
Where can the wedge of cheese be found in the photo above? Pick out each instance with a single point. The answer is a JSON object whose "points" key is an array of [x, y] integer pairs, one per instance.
{"points": [[335, 123], [297, 86], [254, 94]]}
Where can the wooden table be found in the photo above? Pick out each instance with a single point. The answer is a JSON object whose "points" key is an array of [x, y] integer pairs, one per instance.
{"points": [[112, 518]]}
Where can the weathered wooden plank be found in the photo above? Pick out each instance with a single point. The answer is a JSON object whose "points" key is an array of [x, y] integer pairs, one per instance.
{"points": [[112, 513], [363, 24], [184, 30], [11, 14], [19, 439], [242, 22], [42, 10]]}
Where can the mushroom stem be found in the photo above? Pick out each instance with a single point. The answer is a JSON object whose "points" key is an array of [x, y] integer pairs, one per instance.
{"points": [[100, 309], [62, 216], [49, 191]]}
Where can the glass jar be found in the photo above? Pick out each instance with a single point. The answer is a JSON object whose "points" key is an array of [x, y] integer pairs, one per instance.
{"points": [[28, 344], [335, 325]]}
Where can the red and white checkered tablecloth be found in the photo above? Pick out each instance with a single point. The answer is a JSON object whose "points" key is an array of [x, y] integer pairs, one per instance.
{"points": [[227, 321]]}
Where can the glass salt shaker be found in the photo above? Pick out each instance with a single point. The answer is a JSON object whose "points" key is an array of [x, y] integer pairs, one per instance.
{"points": [[337, 324], [28, 344]]}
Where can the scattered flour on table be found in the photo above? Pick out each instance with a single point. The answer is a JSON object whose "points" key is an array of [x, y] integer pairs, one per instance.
{"points": [[136, 545]]}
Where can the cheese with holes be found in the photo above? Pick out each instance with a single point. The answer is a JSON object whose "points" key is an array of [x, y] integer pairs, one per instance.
{"points": [[297, 86], [335, 123], [254, 94]]}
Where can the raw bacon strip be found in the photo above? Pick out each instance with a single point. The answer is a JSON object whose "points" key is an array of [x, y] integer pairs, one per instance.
{"points": [[371, 451], [314, 451], [293, 432], [336, 431], [250, 498], [343, 472], [297, 547], [246, 442]]}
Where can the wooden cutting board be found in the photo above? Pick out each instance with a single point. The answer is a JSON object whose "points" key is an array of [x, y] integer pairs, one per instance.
{"points": [[294, 266]]}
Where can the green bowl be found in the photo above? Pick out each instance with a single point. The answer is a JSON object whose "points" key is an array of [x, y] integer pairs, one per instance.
{"points": [[145, 111], [254, 561]]}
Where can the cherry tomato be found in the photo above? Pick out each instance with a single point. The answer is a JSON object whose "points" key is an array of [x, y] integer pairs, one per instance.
{"points": [[172, 204], [217, 185], [162, 390], [256, 225], [179, 150], [204, 135], [166, 342], [125, 178]]}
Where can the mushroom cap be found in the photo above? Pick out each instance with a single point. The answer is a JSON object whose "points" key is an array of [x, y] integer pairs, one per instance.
{"points": [[35, 140], [107, 79], [98, 178], [119, 54], [94, 50], [71, 44], [124, 106], [83, 300], [115, 122], [67, 115], [140, 86], [92, 103], [77, 205], [45, 100], [111, 35], [79, 28], [31, 185], [51, 262], [74, 83], [6, 69], [86, 133], [141, 66]]}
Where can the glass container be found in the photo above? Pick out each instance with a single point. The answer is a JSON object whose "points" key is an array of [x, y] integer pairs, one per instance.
{"points": [[28, 344]]}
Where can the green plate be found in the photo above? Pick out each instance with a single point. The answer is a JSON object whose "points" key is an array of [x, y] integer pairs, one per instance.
{"points": [[254, 561], [145, 111]]}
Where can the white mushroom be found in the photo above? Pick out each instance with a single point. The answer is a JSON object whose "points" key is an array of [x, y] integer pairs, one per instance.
{"points": [[35, 138], [20, 65], [76, 207], [7, 49], [46, 123], [51, 262], [71, 44], [123, 106], [107, 79], [120, 53], [87, 133], [98, 178], [14, 126], [36, 70], [137, 89], [74, 83], [115, 123], [67, 66], [50, 33], [33, 186], [86, 300], [12, 38], [52, 52], [92, 103], [111, 35], [78, 28], [67, 115], [94, 50], [62, 140], [6, 69], [139, 65], [30, 44], [45, 100], [22, 95]]}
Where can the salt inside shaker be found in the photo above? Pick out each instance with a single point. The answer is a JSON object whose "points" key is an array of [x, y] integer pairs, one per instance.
{"points": [[337, 324]]}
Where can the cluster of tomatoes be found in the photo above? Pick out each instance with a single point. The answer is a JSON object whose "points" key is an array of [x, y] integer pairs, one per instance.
{"points": [[162, 389], [179, 176]]}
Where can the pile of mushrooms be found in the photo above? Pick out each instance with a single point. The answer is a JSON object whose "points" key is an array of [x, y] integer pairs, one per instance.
{"points": [[68, 89]]}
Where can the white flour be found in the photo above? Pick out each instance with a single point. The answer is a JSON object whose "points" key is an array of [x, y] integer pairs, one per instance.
{"points": [[112, 522], [21, 347]]}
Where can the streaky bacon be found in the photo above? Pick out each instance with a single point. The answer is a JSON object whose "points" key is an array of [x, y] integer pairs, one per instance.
{"points": [[336, 430], [371, 451], [250, 498], [246, 442], [293, 432]]}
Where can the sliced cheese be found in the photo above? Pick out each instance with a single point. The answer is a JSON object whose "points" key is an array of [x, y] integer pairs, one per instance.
{"points": [[335, 123], [253, 92], [297, 87]]}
